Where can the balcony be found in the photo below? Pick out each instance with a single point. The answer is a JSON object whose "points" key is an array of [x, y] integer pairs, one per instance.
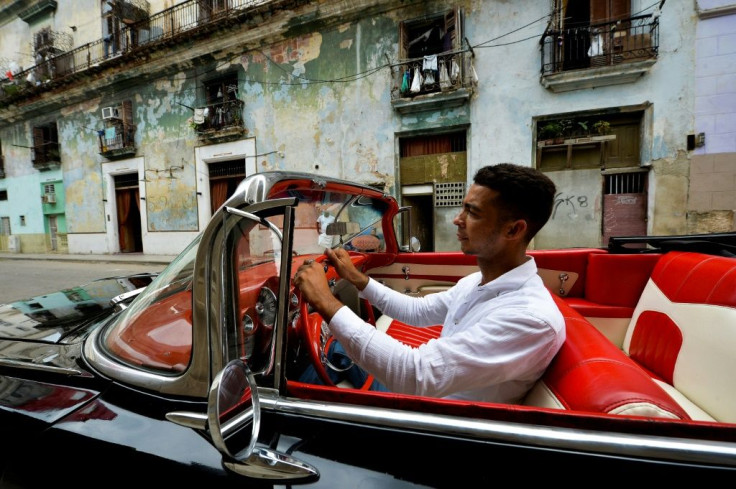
{"points": [[117, 140], [219, 121], [600, 54], [449, 85], [46, 156], [189, 18]]}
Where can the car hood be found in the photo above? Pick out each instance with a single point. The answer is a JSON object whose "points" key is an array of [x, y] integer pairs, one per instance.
{"points": [[56, 316]]}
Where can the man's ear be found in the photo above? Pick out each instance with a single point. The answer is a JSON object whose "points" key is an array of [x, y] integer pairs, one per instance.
{"points": [[516, 229]]}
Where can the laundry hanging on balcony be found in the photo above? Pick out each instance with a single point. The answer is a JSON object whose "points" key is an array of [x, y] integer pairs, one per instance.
{"points": [[429, 68], [405, 81], [596, 45], [454, 72], [445, 82], [416, 82], [199, 115]]}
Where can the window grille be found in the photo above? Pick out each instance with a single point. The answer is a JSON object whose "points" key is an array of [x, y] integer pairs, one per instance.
{"points": [[127, 180], [625, 183], [230, 168], [448, 194]]}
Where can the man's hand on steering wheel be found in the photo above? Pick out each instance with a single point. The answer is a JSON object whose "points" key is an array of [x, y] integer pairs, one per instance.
{"points": [[343, 263], [311, 281]]}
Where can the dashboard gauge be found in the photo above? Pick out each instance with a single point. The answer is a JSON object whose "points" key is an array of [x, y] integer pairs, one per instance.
{"points": [[266, 307]]}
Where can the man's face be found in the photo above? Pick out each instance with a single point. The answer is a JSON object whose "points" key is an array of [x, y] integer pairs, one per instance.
{"points": [[478, 224]]}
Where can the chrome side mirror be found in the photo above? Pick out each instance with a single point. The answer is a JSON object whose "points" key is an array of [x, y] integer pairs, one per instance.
{"points": [[234, 407]]}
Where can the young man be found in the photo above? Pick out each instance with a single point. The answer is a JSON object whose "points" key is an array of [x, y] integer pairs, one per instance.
{"points": [[501, 327]]}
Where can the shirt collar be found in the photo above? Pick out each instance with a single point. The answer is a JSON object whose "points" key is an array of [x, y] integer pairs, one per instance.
{"points": [[513, 279]]}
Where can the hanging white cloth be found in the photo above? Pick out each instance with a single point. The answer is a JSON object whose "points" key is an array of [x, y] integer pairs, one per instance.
{"points": [[198, 116], [430, 63], [416, 82], [473, 75], [429, 66], [596, 45], [445, 82], [454, 72]]}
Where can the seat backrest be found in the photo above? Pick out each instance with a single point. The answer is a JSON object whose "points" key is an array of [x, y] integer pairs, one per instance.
{"points": [[683, 330], [591, 374]]}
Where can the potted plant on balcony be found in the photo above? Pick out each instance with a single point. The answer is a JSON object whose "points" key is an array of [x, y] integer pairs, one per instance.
{"points": [[551, 133], [602, 128]]}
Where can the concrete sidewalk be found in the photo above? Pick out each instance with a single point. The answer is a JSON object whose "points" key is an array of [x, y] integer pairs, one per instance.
{"points": [[112, 258]]}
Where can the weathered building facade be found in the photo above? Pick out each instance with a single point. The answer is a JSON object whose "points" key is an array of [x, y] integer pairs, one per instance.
{"points": [[124, 123]]}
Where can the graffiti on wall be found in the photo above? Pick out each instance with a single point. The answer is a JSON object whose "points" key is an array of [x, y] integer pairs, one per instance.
{"points": [[568, 205]]}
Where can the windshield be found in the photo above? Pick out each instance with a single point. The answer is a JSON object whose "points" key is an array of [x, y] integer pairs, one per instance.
{"points": [[331, 219], [156, 330]]}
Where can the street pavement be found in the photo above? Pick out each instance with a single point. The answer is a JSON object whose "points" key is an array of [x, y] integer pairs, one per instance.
{"points": [[141, 258], [24, 275]]}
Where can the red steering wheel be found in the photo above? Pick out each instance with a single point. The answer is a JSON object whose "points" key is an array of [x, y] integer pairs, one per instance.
{"points": [[315, 333]]}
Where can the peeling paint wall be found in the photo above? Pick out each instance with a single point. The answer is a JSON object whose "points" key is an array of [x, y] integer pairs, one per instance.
{"points": [[317, 98]]}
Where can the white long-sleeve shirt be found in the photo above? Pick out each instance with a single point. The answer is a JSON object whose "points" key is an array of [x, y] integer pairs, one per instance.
{"points": [[497, 339]]}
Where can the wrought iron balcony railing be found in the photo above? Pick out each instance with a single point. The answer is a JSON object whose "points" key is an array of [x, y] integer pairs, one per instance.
{"points": [[217, 117], [185, 18], [597, 45], [46, 155], [117, 140], [442, 72]]}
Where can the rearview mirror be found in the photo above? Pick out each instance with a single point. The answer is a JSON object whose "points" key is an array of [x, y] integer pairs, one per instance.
{"points": [[342, 227]]}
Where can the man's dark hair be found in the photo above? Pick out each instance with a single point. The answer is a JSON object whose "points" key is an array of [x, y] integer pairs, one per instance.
{"points": [[523, 193]]}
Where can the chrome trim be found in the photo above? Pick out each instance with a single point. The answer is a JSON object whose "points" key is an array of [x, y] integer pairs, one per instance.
{"points": [[4, 362], [253, 217], [588, 441], [121, 372], [42, 357], [126, 295], [197, 421]]}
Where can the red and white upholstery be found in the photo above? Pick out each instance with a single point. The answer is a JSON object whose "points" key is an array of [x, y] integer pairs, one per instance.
{"points": [[683, 332], [591, 374]]}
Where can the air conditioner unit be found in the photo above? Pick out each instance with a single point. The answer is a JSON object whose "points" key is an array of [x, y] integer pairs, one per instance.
{"points": [[50, 198], [110, 113]]}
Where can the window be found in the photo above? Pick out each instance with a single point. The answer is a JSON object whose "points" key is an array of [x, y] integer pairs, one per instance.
{"points": [[3, 195], [433, 35], [221, 89], [118, 134], [209, 9], [589, 141], [45, 146], [595, 33], [223, 110], [429, 50], [49, 188]]}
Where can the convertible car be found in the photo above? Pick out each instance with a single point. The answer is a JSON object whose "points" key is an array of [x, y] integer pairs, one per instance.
{"points": [[192, 375]]}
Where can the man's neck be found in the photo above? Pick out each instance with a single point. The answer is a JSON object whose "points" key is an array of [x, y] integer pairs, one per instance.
{"points": [[493, 268]]}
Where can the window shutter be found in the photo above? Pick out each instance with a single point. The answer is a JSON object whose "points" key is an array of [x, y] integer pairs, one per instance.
{"points": [[403, 41], [39, 156], [127, 112], [453, 28], [128, 127], [606, 10]]}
